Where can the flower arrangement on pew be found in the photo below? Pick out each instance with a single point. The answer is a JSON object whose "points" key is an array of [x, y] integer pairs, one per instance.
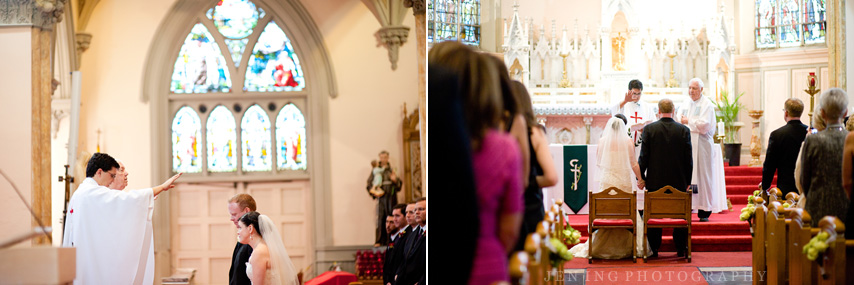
{"points": [[816, 246], [559, 252], [749, 211]]}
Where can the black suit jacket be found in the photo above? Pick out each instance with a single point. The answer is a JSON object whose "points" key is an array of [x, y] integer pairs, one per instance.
{"points": [[237, 273], [392, 258], [414, 267], [784, 144], [665, 157]]}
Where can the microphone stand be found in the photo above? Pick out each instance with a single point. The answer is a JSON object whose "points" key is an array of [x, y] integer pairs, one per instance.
{"points": [[68, 180]]}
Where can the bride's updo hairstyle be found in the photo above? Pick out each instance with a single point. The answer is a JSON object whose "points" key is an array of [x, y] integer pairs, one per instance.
{"points": [[251, 219]]}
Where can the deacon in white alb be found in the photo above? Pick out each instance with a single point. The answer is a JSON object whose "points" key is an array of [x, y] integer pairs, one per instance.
{"points": [[111, 229], [698, 114], [638, 114]]}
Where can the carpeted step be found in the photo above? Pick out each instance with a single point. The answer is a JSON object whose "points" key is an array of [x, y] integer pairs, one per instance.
{"points": [[710, 228], [710, 243], [741, 189], [746, 180], [742, 171]]}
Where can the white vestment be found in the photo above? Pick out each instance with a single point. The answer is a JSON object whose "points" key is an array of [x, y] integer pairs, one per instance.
{"points": [[637, 115], [112, 232], [701, 120]]}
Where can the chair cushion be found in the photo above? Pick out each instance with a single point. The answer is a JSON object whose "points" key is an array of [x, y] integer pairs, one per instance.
{"points": [[667, 222], [610, 222]]}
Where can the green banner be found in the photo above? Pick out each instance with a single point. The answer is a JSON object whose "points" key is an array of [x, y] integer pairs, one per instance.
{"points": [[575, 176]]}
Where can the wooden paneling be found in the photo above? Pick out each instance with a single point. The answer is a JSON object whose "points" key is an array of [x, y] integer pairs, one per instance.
{"points": [[204, 237], [776, 91]]}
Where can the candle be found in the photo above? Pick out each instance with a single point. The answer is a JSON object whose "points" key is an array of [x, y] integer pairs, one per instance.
{"points": [[720, 128], [811, 79]]}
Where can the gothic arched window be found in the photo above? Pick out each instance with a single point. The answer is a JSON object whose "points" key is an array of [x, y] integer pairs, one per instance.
{"points": [[453, 20], [789, 23], [238, 60]]}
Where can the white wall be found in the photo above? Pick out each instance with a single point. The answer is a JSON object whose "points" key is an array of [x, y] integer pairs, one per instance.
{"points": [[15, 134], [364, 119]]}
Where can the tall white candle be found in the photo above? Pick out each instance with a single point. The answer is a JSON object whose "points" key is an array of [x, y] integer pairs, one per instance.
{"points": [[720, 128]]}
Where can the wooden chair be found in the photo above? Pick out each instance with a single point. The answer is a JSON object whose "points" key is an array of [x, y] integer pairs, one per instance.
{"points": [[667, 208], [776, 245], [612, 208], [831, 264], [759, 240], [800, 234]]}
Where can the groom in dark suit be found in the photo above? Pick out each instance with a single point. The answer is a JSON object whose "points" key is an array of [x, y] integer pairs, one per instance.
{"points": [[784, 144], [238, 206], [665, 159]]}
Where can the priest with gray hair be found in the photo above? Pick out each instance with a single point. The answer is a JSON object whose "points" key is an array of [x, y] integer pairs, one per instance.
{"points": [[698, 114]]}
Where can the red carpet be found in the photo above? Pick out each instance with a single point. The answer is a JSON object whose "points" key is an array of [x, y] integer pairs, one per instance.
{"points": [[724, 232], [669, 259], [658, 275]]}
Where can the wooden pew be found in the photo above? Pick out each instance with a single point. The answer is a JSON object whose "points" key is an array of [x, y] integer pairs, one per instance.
{"points": [[831, 265], [536, 258], [776, 246], [800, 234], [759, 268], [519, 268], [792, 198]]}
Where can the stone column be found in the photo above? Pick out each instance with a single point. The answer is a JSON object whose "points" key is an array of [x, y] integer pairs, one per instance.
{"points": [[418, 9], [836, 43], [42, 17]]}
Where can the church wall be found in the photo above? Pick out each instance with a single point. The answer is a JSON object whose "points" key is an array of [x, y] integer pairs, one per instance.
{"points": [[15, 135], [768, 79], [770, 76], [364, 119]]}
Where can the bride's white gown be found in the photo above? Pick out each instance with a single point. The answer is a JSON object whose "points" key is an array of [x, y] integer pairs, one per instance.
{"points": [[616, 169], [269, 278]]}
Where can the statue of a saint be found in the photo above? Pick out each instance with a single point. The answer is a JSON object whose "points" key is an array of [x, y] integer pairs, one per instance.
{"points": [[618, 54]]}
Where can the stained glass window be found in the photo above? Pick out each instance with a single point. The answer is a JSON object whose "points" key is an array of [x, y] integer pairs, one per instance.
{"points": [[814, 21], [186, 136], [290, 138], [273, 65], [200, 66], [453, 20], [255, 134], [235, 20], [789, 23], [231, 140], [221, 139]]}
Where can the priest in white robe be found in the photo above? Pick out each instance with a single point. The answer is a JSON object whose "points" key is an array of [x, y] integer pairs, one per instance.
{"points": [[111, 229], [638, 114], [698, 114]]}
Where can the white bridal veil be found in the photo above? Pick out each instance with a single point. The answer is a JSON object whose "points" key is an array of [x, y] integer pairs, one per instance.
{"points": [[614, 149], [280, 261]]}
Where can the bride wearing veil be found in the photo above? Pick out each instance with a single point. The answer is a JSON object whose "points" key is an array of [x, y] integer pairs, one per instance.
{"points": [[269, 262], [615, 158]]}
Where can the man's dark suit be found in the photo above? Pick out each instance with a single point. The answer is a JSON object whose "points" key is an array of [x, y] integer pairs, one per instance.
{"points": [[237, 273], [665, 159], [414, 267], [784, 144], [392, 259]]}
